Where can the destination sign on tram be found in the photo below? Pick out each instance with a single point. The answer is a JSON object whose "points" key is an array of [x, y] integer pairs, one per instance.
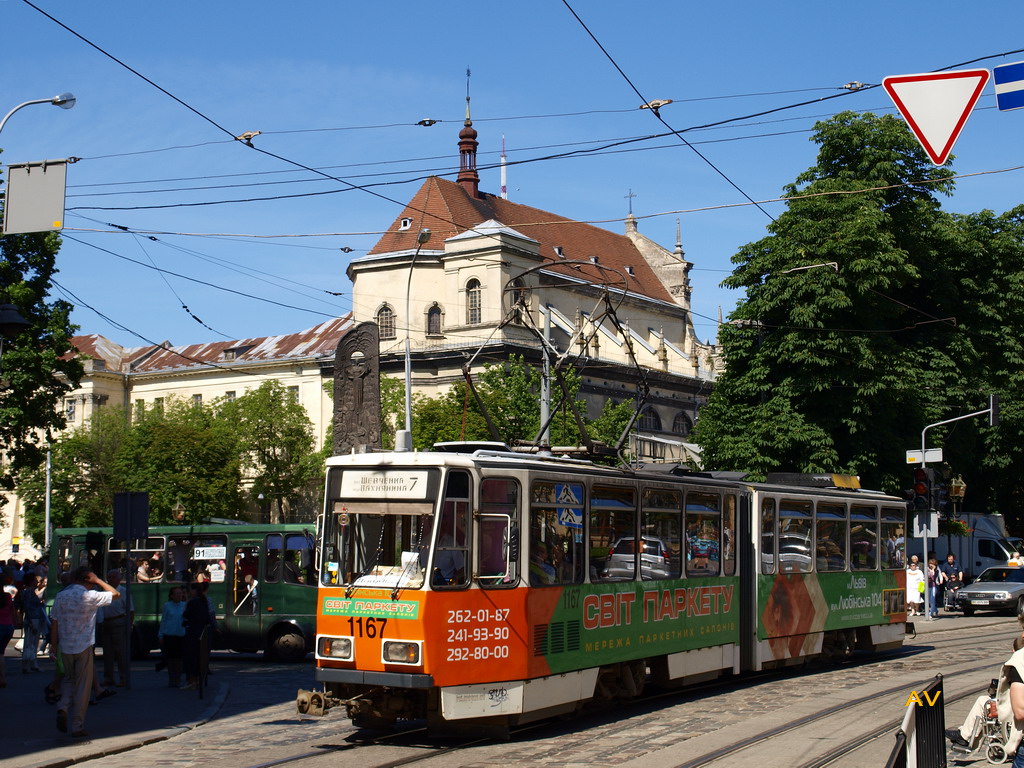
{"points": [[386, 485]]}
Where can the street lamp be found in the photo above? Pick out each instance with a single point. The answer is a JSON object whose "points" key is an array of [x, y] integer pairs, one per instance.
{"points": [[957, 491], [403, 440], [62, 100]]}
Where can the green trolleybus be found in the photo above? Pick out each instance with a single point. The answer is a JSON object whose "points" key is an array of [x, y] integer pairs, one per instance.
{"points": [[262, 579]]}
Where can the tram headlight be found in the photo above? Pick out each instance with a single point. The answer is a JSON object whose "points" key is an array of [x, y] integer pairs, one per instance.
{"points": [[334, 648], [401, 652]]}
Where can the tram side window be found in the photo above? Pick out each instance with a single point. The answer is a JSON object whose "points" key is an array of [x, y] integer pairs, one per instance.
{"points": [[831, 543], [613, 542], [556, 533], [498, 533], [863, 538], [894, 523], [729, 537], [795, 523], [451, 552], [661, 539], [196, 557], [145, 564], [703, 534], [768, 537]]}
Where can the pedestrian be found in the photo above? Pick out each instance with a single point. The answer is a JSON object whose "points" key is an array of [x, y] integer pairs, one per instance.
{"points": [[954, 580], [935, 580], [74, 635], [172, 636], [1015, 560], [196, 618], [6, 631], [967, 736], [915, 590], [34, 624], [118, 620]]}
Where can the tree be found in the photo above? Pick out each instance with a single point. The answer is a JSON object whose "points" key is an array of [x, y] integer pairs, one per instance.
{"points": [[179, 451], [276, 437], [38, 365], [83, 480], [839, 369]]}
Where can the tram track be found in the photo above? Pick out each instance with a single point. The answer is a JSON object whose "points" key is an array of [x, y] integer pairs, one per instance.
{"points": [[840, 750]]}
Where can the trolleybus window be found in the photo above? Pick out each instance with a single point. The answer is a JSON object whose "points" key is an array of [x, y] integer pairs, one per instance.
{"points": [[498, 533], [830, 554], [65, 555], [729, 537], [613, 542], [146, 563], [451, 553], [894, 522], [290, 559], [863, 538], [556, 533], [795, 524], [768, 536], [196, 557], [661, 536], [703, 534]]}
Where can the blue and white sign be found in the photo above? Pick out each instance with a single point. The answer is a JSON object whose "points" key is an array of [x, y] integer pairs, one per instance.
{"points": [[1009, 82]]}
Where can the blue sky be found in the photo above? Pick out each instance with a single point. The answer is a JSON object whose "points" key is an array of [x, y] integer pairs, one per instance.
{"points": [[340, 86]]}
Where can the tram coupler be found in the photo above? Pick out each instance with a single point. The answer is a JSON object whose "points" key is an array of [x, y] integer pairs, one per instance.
{"points": [[315, 703]]}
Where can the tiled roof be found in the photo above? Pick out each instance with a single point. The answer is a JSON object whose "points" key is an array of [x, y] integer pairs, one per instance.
{"points": [[320, 340], [446, 209]]}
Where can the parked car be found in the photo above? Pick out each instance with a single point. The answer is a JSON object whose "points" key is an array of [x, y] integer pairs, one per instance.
{"points": [[655, 559], [997, 589]]}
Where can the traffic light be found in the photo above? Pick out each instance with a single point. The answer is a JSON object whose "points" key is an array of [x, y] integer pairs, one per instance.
{"points": [[939, 496], [921, 489]]}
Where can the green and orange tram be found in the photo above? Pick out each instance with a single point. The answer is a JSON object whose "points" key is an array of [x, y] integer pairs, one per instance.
{"points": [[474, 585]]}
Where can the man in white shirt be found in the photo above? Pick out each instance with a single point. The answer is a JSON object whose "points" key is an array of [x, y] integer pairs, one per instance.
{"points": [[73, 633]]}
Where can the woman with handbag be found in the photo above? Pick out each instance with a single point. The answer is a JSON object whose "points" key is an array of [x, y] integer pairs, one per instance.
{"points": [[915, 590]]}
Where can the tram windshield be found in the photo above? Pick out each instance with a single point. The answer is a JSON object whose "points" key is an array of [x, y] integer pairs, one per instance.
{"points": [[378, 526]]}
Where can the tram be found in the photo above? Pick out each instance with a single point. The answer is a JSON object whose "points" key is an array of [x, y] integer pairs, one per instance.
{"points": [[473, 585]]}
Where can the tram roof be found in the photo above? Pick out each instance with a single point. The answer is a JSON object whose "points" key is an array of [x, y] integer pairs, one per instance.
{"points": [[499, 455]]}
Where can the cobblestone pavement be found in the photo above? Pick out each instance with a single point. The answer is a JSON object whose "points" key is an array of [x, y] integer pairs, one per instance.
{"points": [[256, 721]]}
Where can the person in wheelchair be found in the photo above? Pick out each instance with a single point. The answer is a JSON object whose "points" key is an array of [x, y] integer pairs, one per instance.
{"points": [[995, 722]]}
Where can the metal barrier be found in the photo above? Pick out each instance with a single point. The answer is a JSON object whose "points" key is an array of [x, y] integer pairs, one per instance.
{"points": [[921, 741]]}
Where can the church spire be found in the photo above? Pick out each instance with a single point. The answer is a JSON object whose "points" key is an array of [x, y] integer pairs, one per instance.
{"points": [[468, 177]]}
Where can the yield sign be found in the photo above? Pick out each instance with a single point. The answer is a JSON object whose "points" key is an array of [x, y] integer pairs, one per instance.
{"points": [[936, 105]]}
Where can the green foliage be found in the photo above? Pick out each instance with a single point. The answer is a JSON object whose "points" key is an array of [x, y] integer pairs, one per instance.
{"points": [[178, 452], [38, 365], [839, 369], [511, 395], [276, 437], [392, 410], [181, 452]]}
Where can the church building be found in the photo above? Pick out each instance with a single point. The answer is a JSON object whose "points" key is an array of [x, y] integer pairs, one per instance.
{"points": [[465, 274]]}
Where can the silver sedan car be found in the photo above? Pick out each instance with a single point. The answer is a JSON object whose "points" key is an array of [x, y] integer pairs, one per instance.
{"points": [[996, 589]]}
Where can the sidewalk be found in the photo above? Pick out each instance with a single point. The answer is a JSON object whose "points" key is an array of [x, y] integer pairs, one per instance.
{"points": [[149, 711]]}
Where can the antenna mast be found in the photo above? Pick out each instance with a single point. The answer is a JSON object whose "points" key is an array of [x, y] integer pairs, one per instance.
{"points": [[504, 171]]}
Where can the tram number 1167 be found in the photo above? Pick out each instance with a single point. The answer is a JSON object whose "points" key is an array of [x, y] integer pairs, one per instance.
{"points": [[366, 626]]}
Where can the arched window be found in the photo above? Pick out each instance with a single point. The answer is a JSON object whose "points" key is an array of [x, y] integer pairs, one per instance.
{"points": [[473, 298], [434, 320], [386, 322], [681, 424], [649, 420]]}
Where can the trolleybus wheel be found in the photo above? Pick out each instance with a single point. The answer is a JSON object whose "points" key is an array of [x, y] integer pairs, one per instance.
{"points": [[289, 645]]}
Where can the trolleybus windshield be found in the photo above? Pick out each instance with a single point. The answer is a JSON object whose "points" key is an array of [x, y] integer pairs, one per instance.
{"points": [[378, 527]]}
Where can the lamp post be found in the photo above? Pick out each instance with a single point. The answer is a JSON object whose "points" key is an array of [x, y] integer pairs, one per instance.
{"points": [[957, 491], [403, 440], [62, 100]]}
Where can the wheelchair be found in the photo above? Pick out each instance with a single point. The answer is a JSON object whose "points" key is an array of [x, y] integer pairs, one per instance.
{"points": [[989, 734]]}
